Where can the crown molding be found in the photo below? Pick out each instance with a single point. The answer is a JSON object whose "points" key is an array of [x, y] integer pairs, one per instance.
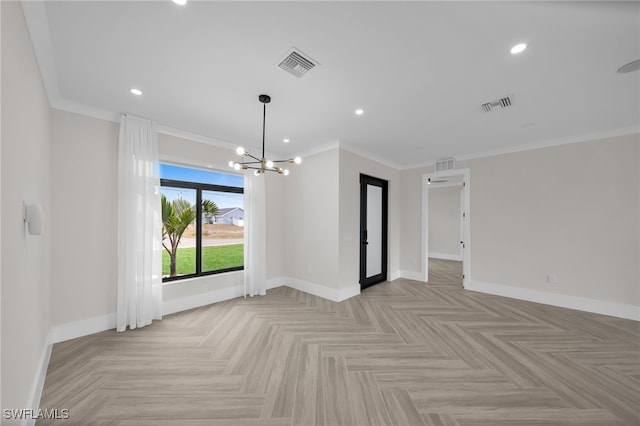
{"points": [[585, 137], [184, 134], [369, 156], [86, 110], [35, 16], [321, 148]]}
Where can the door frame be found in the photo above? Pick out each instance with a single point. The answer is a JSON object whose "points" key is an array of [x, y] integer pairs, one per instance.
{"points": [[466, 222], [384, 184]]}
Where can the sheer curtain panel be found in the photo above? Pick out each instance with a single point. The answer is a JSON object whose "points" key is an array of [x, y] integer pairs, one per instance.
{"points": [[255, 235], [139, 225]]}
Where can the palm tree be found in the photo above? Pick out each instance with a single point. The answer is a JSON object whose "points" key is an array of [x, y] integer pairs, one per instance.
{"points": [[176, 217], [209, 210]]}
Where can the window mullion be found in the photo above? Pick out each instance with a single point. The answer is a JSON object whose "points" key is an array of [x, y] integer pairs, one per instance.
{"points": [[198, 231]]}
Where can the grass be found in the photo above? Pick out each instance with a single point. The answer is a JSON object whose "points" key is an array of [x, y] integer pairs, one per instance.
{"points": [[213, 258]]}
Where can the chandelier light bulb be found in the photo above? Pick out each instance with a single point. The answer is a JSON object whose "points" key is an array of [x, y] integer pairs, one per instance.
{"points": [[269, 164], [240, 150], [518, 48], [237, 166], [256, 172], [297, 160], [285, 172], [231, 163]]}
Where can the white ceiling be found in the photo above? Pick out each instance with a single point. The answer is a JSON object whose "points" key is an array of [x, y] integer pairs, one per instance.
{"points": [[420, 70]]}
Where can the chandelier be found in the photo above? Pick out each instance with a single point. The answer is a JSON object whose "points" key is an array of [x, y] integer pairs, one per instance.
{"points": [[262, 165]]}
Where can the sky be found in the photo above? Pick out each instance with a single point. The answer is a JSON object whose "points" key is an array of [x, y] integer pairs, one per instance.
{"points": [[222, 199]]}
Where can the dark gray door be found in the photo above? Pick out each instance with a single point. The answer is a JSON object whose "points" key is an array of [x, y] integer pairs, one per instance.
{"points": [[373, 230]]}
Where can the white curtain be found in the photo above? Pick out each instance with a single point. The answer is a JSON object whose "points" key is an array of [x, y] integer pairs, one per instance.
{"points": [[255, 235], [139, 225]]}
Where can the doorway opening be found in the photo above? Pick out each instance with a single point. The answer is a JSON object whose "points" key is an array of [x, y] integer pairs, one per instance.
{"points": [[452, 243]]}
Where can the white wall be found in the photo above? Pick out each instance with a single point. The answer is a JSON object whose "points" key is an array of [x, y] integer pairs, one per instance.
{"points": [[351, 166], [311, 221], [84, 159], [410, 219], [445, 220], [25, 177], [276, 225], [569, 210]]}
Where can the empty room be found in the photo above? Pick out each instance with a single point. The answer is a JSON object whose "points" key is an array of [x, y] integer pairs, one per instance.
{"points": [[262, 213]]}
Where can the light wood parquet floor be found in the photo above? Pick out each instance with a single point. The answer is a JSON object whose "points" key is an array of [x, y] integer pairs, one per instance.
{"points": [[401, 353]]}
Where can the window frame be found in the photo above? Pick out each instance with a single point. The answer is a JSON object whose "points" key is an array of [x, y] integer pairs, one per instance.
{"points": [[199, 187]]}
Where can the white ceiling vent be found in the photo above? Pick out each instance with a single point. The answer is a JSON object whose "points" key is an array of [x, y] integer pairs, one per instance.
{"points": [[297, 63], [500, 103], [445, 164]]}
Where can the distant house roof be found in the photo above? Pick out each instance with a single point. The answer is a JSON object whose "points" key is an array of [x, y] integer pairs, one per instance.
{"points": [[226, 211]]}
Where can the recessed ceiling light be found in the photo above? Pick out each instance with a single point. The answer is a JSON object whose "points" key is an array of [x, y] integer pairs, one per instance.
{"points": [[136, 92], [359, 111], [180, 2], [630, 67], [518, 48], [285, 140]]}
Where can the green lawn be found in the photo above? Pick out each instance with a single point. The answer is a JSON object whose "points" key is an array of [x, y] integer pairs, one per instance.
{"points": [[213, 258]]}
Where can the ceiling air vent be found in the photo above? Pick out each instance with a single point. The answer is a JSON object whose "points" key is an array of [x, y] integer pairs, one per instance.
{"points": [[500, 103], [445, 164], [297, 63]]}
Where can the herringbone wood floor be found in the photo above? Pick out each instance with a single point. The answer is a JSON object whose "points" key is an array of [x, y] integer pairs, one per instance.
{"points": [[401, 353]]}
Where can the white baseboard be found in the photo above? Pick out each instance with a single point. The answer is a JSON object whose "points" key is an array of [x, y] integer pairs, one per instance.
{"points": [[445, 256], [275, 282], [38, 382], [71, 330], [394, 275], [347, 293], [619, 310], [337, 295], [411, 275], [200, 299]]}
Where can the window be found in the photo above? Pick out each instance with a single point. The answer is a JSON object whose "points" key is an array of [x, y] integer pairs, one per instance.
{"points": [[203, 222]]}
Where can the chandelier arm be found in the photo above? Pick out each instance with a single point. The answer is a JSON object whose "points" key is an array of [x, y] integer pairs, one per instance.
{"points": [[255, 158], [250, 162], [282, 161], [261, 169]]}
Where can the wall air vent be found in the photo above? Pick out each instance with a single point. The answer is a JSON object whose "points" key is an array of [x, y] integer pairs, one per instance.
{"points": [[297, 63], [445, 164], [500, 103]]}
